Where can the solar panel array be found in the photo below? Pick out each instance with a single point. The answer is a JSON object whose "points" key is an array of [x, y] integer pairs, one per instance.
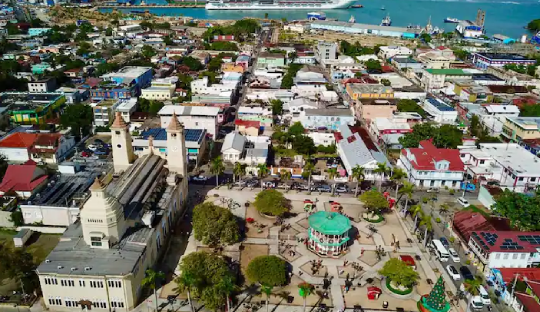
{"points": [[531, 239], [439, 105], [160, 134], [193, 135], [490, 238], [480, 241]]}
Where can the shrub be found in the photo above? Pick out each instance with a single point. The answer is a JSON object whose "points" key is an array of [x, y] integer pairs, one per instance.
{"points": [[452, 192], [271, 202], [452, 239], [468, 262], [267, 270], [438, 220]]}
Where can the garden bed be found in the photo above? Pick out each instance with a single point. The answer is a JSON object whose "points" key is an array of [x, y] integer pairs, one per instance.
{"points": [[373, 218], [402, 292]]}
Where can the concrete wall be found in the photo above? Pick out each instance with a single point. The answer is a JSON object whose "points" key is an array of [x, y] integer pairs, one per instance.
{"points": [[5, 216], [43, 229]]}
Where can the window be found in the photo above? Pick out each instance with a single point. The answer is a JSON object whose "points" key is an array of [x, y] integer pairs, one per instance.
{"points": [[497, 256], [115, 283], [482, 162], [71, 302], [99, 304], [523, 256], [533, 179], [51, 281], [515, 256], [67, 283], [115, 303], [55, 301], [82, 283], [96, 241], [520, 179], [505, 256], [96, 284]]}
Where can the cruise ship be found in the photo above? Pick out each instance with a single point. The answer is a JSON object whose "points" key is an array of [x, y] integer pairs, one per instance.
{"points": [[277, 4]]}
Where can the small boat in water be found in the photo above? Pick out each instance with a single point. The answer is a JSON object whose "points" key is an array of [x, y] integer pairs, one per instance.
{"points": [[352, 19], [451, 20], [387, 21], [357, 6], [316, 16], [382, 8]]}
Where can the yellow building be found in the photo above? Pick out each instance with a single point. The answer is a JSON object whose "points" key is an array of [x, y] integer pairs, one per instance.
{"points": [[521, 128], [31, 108], [369, 91]]}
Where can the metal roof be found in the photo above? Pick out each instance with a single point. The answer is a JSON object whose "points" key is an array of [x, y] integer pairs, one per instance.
{"points": [[330, 223], [160, 134], [440, 105]]}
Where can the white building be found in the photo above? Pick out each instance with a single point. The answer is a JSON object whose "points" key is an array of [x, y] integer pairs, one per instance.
{"points": [[43, 85], [440, 112], [192, 117], [510, 165], [324, 119], [250, 150], [505, 249], [493, 116], [326, 50], [428, 166], [391, 51], [298, 105], [202, 86], [19, 147], [322, 138], [161, 89], [101, 260]]}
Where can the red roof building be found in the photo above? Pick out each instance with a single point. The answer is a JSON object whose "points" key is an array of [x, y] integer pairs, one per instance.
{"points": [[429, 166], [40, 147], [23, 179]]}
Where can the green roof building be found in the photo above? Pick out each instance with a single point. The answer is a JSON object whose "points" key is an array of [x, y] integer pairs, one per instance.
{"points": [[328, 233]]}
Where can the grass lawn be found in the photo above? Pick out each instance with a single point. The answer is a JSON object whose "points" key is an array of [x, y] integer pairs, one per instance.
{"points": [[479, 209], [39, 245]]}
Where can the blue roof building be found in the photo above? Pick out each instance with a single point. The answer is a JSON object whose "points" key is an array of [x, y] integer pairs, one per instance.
{"points": [[439, 111]]}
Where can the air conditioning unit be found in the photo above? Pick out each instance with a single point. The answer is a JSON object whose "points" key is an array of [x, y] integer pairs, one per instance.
{"points": [[87, 268], [59, 267]]}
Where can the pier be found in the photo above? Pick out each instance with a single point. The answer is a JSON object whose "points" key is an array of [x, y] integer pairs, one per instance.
{"points": [[150, 6]]}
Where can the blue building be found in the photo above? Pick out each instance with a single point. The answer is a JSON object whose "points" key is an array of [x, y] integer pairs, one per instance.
{"points": [[123, 84], [36, 32], [484, 60]]}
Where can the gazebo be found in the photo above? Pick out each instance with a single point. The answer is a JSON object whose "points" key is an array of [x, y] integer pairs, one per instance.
{"points": [[328, 233]]}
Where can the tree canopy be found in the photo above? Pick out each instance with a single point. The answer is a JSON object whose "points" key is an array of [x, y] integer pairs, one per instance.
{"points": [[530, 110], [522, 210], [445, 136], [372, 64], [222, 46], [374, 201], [399, 272], [150, 106], [534, 25], [481, 133], [193, 63], [214, 225], [271, 202], [239, 29], [267, 271], [17, 263], [79, 118], [287, 81], [206, 273], [355, 49]]}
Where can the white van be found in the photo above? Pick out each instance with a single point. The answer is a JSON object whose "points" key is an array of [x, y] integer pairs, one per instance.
{"points": [[484, 295], [476, 303]]}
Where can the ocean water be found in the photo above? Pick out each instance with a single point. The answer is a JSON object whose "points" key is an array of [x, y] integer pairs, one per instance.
{"points": [[502, 17]]}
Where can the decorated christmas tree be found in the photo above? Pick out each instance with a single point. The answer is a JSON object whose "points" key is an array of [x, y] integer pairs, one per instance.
{"points": [[436, 300]]}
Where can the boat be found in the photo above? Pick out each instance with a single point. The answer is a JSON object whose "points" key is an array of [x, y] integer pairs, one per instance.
{"points": [[451, 20], [316, 16], [277, 4], [352, 19], [382, 8], [357, 6], [387, 21]]}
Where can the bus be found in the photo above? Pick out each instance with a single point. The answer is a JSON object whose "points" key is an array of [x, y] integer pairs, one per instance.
{"points": [[442, 253]]}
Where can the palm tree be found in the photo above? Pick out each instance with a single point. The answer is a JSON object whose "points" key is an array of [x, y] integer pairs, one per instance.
{"points": [[416, 211], [185, 282], [267, 290], [472, 285], [292, 56], [358, 174], [397, 176], [406, 190], [238, 171], [151, 279], [227, 287], [443, 209], [382, 170], [426, 222], [217, 168], [308, 169], [262, 171], [285, 176], [332, 173], [305, 290]]}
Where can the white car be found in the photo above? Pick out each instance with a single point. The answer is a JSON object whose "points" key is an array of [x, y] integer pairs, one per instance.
{"points": [[454, 255], [454, 274], [463, 202], [92, 147]]}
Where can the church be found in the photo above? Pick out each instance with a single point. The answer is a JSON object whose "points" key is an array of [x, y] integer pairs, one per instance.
{"points": [[123, 227]]}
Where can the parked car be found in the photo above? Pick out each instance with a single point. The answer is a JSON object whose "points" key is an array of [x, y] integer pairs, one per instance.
{"points": [[269, 184], [433, 190], [484, 296], [445, 242], [324, 188], [463, 202], [454, 255], [342, 188], [252, 183], [476, 303], [466, 273], [101, 151], [86, 153], [92, 147], [199, 178], [454, 274]]}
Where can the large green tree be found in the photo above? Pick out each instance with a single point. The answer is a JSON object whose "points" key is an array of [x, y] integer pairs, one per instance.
{"points": [[406, 105], [522, 210], [193, 63], [271, 202], [206, 273], [399, 272], [374, 201], [534, 25], [445, 136], [267, 271], [214, 225], [79, 118]]}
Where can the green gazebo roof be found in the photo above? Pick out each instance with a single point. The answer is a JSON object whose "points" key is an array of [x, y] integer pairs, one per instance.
{"points": [[330, 223]]}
